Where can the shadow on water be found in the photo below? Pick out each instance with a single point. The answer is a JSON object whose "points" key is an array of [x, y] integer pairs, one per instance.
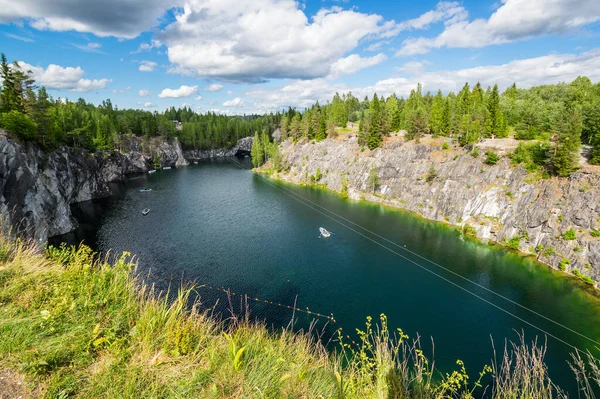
{"points": [[226, 227]]}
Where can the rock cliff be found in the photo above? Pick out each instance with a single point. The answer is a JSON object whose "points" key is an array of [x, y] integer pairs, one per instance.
{"points": [[501, 202], [242, 147], [37, 188]]}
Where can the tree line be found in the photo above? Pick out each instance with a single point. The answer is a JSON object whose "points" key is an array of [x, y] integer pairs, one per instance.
{"points": [[32, 114], [562, 116]]}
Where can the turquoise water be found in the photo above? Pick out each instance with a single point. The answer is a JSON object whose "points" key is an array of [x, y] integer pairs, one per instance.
{"points": [[218, 224]]}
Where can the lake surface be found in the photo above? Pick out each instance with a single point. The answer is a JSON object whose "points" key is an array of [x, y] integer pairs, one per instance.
{"points": [[225, 226]]}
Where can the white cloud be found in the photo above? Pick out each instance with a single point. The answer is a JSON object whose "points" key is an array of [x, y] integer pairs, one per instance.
{"points": [[354, 63], [67, 78], [123, 19], [236, 102], [183, 91], [90, 47], [256, 40], [147, 66], [147, 105], [198, 98], [376, 46], [444, 11], [552, 68], [121, 91], [413, 67], [214, 87], [21, 38], [513, 20], [147, 46], [144, 93]]}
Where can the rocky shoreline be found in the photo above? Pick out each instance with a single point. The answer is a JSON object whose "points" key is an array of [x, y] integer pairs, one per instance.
{"points": [[500, 203], [37, 188]]}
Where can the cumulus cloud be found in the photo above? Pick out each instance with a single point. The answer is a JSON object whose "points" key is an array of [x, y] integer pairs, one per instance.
{"points": [[183, 91], [214, 87], [236, 102], [198, 98], [257, 40], [354, 63], [124, 19], [144, 93], [147, 66], [552, 68], [66, 78], [513, 20]]}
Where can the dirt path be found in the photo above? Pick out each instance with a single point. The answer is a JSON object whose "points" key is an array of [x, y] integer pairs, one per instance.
{"points": [[12, 386]]}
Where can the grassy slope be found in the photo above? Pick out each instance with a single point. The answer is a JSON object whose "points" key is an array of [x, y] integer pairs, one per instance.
{"points": [[78, 327]]}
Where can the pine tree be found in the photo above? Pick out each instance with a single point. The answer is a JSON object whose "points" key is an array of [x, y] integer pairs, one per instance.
{"points": [[446, 119], [566, 152], [284, 127], [437, 115], [495, 123], [362, 133], [295, 127], [256, 152], [374, 138]]}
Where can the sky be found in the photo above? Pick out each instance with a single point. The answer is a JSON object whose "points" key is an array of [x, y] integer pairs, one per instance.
{"points": [[257, 56]]}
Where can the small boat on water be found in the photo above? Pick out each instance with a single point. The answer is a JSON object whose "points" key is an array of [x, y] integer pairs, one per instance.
{"points": [[167, 167], [152, 171], [145, 190], [324, 232], [145, 211]]}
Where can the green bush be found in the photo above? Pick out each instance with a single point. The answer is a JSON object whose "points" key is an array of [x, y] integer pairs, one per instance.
{"points": [[563, 264], [19, 124], [445, 146], [469, 230], [569, 235], [533, 156], [595, 233], [431, 175], [475, 152], [514, 243], [491, 158]]}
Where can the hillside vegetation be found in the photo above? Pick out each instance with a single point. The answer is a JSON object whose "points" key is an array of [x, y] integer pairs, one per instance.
{"points": [[76, 326]]}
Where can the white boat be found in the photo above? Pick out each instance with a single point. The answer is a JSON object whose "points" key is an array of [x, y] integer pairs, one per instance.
{"points": [[152, 171], [145, 211], [145, 190], [167, 167], [324, 232]]}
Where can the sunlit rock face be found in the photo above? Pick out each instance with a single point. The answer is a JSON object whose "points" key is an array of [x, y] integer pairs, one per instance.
{"points": [[500, 201]]}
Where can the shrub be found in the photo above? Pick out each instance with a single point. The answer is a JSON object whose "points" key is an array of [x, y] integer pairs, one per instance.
{"points": [[475, 152], [514, 243], [492, 158], [569, 235], [469, 230], [431, 175], [533, 156], [445, 146], [563, 264], [595, 233], [19, 124]]}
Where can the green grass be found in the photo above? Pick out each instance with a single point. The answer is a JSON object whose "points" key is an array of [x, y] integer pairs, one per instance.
{"points": [[78, 326]]}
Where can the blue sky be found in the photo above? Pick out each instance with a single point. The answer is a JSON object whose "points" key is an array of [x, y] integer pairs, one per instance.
{"points": [[237, 56]]}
